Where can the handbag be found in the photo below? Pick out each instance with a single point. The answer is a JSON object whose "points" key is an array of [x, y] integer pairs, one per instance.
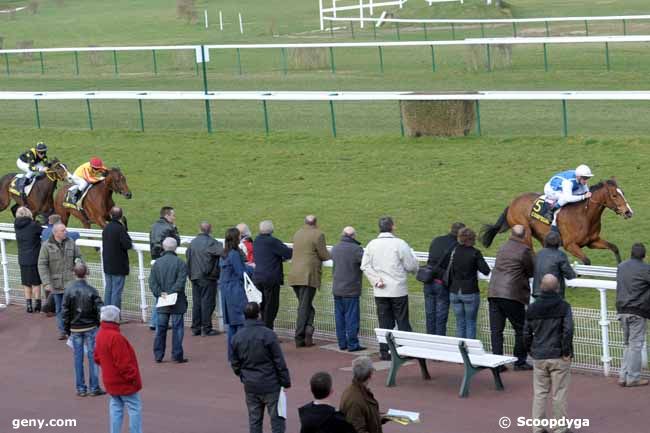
{"points": [[425, 274], [446, 278], [252, 293]]}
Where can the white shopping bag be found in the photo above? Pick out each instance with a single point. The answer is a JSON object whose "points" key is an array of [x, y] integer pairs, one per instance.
{"points": [[252, 294], [282, 404]]}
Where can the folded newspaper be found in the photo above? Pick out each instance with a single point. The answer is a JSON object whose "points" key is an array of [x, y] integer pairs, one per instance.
{"points": [[167, 301], [402, 416]]}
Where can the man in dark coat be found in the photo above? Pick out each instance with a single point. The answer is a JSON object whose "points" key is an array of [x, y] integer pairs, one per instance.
{"points": [[203, 268], [320, 416], [116, 244], [633, 308], [346, 288], [436, 295], [509, 293], [167, 278], [268, 275], [551, 260], [258, 361]]}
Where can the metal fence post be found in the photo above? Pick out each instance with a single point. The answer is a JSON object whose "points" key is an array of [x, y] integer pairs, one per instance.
{"points": [[333, 118], [514, 29], [331, 29], [239, 61], [374, 31], [381, 59], [141, 115], [115, 62], [548, 31], [90, 115], [478, 118], [624, 28], [482, 30], [5, 271], [42, 63], [433, 59], [266, 117], [489, 58], [76, 62], [332, 64], [424, 28], [208, 114], [352, 29], [155, 63], [607, 55], [604, 326], [586, 28], [38, 114], [7, 63], [401, 118], [283, 54], [565, 120], [453, 31], [397, 30], [545, 59], [141, 278]]}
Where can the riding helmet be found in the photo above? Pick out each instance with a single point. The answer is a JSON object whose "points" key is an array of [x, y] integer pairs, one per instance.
{"points": [[96, 162], [41, 147]]}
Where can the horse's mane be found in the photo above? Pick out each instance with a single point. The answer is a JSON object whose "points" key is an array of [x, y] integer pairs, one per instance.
{"points": [[602, 184]]}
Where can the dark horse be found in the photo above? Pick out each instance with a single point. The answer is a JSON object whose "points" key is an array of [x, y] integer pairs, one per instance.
{"points": [[579, 223], [97, 203], [40, 200]]}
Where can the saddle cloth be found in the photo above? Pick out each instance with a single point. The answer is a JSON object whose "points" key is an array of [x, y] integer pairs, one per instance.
{"points": [[78, 204], [542, 210], [14, 190]]}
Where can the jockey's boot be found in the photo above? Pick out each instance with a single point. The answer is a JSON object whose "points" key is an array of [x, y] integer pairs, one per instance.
{"points": [[555, 229], [71, 197]]}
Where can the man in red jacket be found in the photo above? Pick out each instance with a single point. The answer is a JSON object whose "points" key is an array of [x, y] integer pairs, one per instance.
{"points": [[120, 372]]}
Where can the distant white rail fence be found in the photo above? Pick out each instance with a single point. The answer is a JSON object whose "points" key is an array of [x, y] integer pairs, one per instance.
{"points": [[598, 337]]}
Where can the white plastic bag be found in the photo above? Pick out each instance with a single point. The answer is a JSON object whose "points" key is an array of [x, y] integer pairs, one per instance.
{"points": [[282, 404], [252, 293]]}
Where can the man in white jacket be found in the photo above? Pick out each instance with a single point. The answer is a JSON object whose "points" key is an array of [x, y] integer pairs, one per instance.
{"points": [[386, 262]]}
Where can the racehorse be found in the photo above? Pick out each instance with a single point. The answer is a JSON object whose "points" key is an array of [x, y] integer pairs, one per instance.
{"points": [[98, 201], [578, 223], [41, 199]]}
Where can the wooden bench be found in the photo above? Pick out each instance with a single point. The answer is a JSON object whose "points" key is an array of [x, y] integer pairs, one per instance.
{"points": [[412, 345]]}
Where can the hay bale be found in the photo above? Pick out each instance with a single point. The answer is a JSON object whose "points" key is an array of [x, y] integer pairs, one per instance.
{"points": [[25, 45], [438, 118], [308, 58]]}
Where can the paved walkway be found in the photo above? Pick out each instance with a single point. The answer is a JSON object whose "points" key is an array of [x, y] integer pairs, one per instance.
{"points": [[203, 396]]}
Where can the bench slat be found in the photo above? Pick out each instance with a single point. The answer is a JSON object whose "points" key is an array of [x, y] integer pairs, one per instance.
{"points": [[440, 339], [487, 360], [436, 347]]}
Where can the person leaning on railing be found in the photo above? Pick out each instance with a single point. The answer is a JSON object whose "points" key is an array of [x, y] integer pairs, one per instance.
{"points": [[28, 238], [551, 260]]}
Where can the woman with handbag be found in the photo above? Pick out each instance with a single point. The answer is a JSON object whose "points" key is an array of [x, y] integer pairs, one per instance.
{"points": [[462, 279], [231, 283], [28, 237]]}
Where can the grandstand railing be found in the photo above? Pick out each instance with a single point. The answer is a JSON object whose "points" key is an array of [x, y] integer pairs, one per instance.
{"points": [[598, 340]]}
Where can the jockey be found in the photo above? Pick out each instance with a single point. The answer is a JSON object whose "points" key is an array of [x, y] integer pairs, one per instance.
{"points": [[568, 187], [88, 173], [33, 161]]}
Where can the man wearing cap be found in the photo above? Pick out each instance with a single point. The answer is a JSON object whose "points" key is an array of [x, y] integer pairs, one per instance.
{"points": [[88, 173], [567, 187]]}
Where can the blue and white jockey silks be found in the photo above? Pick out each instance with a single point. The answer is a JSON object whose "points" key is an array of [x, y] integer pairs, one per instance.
{"points": [[565, 188]]}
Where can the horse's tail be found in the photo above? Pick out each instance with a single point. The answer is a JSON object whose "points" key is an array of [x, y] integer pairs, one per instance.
{"points": [[489, 231]]}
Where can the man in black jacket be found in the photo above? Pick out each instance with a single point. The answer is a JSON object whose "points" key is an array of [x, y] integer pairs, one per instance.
{"points": [[258, 361], [552, 260], [548, 337], [80, 311], [203, 269], [268, 275], [116, 244], [633, 308], [436, 295], [320, 416], [168, 277]]}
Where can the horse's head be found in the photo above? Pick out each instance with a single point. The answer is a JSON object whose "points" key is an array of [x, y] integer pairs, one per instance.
{"points": [[612, 197], [118, 183], [57, 171]]}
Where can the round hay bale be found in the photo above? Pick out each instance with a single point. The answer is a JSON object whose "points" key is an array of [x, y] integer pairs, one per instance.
{"points": [[308, 58], [446, 118]]}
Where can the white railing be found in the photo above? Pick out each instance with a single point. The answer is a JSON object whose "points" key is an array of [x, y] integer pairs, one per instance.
{"points": [[361, 6]]}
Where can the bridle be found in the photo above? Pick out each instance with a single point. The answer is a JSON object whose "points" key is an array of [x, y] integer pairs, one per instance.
{"points": [[52, 174]]}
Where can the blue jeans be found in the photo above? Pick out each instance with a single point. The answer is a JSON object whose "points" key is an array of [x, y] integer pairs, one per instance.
{"points": [[160, 341], [116, 412], [58, 307], [347, 316], [154, 314], [466, 311], [85, 342], [436, 307], [113, 289]]}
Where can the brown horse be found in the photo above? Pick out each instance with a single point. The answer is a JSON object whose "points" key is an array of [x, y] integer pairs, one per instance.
{"points": [[579, 223], [97, 203], [41, 199]]}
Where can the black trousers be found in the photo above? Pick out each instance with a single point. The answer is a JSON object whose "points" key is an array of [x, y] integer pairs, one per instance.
{"points": [[270, 302], [392, 311], [204, 300], [500, 310], [306, 312]]}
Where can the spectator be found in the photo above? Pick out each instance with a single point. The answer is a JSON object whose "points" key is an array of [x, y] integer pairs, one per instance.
{"points": [[436, 295], [120, 372], [633, 308], [160, 230], [28, 238], [81, 305], [309, 253], [203, 268], [551, 260], [464, 263], [320, 416], [167, 277], [357, 402], [56, 259], [116, 244], [231, 284], [268, 275], [509, 293], [51, 221], [258, 361], [387, 261], [548, 337], [246, 242], [346, 287]]}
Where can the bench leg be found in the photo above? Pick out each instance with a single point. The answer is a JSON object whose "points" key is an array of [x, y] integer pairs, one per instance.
{"points": [[470, 371], [497, 379], [395, 363], [423, 369]]}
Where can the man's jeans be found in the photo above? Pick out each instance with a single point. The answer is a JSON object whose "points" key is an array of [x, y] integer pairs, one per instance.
{"points": [[85, 342], [116, 412], [113, 290], [346, 313], [256, 404], [465, 309], [436, 307], [154, 314], [634, 335], [58, 307], [160, 341]]}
